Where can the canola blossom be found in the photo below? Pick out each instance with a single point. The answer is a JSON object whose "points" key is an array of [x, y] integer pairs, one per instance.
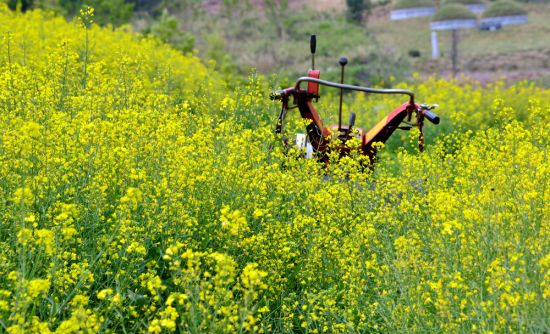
{"points": [[141, 193]]}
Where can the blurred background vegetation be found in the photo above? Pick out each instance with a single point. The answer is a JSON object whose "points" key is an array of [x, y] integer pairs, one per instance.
{"points": [[271, 36]]}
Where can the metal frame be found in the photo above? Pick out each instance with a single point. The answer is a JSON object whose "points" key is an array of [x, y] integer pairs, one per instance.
{"points": [[356, 88]]}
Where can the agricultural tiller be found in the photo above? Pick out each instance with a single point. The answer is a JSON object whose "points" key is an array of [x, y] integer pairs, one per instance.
{"points": [[317, 141]]}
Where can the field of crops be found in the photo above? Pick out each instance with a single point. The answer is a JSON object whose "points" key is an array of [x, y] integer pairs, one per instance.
{"points": [[140, 193]]}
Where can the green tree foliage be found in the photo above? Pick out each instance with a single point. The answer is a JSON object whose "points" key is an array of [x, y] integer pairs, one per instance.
{"points": [[217, 52], [504, 8], [114, 12], [50, 5], [166, 28], [22, 5], [453, 11], [358, 10]]}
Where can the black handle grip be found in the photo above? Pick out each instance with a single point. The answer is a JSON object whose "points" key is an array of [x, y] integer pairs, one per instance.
{"points": [[313, 43], [276, 95], [281, 93], [431, 117], [343, 61]]}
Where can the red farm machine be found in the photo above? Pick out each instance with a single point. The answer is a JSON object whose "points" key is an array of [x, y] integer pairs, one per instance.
{"points": [[320, 140]]}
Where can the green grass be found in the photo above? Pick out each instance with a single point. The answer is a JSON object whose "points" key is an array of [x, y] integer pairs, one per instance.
{"points": [[290, 57]]}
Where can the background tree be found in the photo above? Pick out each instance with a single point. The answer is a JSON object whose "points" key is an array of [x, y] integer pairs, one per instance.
{"points": [[358, 10], [23, 5], [167, 29], [114, 12]]}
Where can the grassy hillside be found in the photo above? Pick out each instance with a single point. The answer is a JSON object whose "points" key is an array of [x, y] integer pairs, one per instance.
{"points": [[415, 34], [139, 194], [518, 48]]}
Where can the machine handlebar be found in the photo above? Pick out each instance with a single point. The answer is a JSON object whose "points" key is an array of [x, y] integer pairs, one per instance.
{"points": [[355, 88], [278, 94]]}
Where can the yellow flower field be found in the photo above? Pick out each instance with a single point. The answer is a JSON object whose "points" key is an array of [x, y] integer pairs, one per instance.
{"points": [[141, 193]]}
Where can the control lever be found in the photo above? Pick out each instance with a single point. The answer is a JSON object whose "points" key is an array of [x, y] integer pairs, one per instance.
{"points": [[343, 61], [351, 120], [351, 124], [312, 47]]}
